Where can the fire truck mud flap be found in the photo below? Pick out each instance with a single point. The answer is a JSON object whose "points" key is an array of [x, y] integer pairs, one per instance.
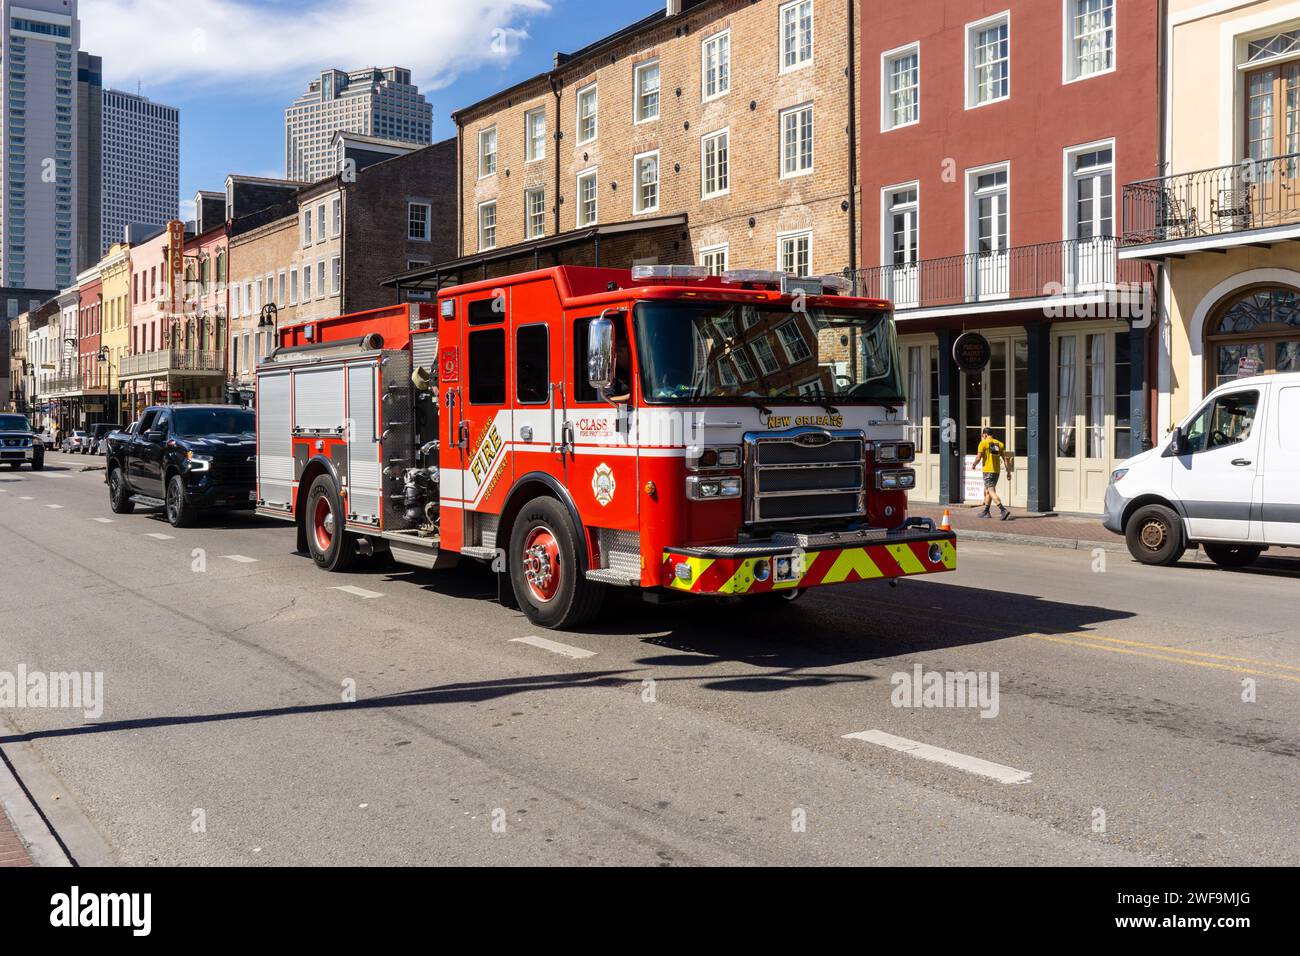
{"points": [[759, 569]]}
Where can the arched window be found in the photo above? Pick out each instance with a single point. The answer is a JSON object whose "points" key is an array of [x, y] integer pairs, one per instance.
{"points": [[1253, 332]]}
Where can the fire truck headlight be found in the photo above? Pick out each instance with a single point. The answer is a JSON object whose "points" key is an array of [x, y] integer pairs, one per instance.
{"points": [[901, 451], [198, 462], [711, 489], [935, 554], [706, 457], [897, 479], [683, 572]]}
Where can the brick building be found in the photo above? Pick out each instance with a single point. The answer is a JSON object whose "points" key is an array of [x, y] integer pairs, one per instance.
{"points": [[15, 303], [716, 132]]}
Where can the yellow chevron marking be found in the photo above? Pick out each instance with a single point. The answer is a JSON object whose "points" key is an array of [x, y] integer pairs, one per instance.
{"points": [[949, 554], [698, 567], [906, 558], [852, 559]]}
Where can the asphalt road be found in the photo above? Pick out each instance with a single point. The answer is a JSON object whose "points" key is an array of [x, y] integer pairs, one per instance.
{"points": [[1147, 716]]}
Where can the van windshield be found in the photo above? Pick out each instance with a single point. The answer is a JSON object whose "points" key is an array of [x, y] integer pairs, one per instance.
{"points": [[695, 352]]}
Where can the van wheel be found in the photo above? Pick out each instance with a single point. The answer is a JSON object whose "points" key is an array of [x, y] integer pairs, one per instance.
{"points": [[1232, 556], [331, 547], [119, 495], [1155, 535], [545, 570]]}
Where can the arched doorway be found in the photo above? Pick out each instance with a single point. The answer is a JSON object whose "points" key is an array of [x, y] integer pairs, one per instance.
{"points": [[1257, 330]]}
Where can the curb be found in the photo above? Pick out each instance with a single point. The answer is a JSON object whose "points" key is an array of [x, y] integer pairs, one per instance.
{"points": [[1072, 544], [32, 831]]}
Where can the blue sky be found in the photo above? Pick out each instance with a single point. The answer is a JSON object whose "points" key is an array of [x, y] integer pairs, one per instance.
{"points": [[232, 66]]}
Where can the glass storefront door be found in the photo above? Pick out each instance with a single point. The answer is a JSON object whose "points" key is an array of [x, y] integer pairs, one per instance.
{"points": [[1091, 379]]}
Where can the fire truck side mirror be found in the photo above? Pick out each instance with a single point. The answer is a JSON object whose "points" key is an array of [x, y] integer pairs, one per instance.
{"points": [[600, 353]]}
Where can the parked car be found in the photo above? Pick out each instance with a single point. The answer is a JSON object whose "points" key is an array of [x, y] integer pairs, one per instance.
{"points": [[19, 443], [74, 442], [184, 458], [98, 435], [1227, 478]]}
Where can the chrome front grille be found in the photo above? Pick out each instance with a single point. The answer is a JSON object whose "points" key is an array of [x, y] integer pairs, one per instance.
{"points": [[805, 474]]}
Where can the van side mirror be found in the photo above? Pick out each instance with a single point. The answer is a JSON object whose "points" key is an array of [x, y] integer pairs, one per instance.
{"points": [[1179, 443], [600, 353]]}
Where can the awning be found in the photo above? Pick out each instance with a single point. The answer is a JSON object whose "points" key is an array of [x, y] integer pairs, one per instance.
{"points": [[431, 278]]}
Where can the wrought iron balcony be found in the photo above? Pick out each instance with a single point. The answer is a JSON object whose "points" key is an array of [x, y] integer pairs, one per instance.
{"points": [[163, 361], [1251, 195], [1070, 267]]}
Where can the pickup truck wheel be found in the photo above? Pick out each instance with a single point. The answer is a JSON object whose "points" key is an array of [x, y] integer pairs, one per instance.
{"points": [[180, 513], [545, 571], [331, 547], [1155, 535], [1232, 556], [119, 496]]}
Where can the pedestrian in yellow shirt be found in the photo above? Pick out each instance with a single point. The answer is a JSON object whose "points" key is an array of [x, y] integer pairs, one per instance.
{"points": [[990, 456]]}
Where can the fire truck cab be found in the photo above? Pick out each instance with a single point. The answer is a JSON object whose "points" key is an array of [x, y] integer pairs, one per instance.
{"points": [[585, 428]]}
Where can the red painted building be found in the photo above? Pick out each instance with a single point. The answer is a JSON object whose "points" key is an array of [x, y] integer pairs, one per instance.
{"points": [[993, 139]]}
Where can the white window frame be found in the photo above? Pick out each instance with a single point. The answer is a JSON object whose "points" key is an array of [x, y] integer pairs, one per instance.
{"points": [[428, 221], [637, 71], [1069, 65], [320, 279], [306, 283], [336, 275], [416, 294], [305, 228], [579, 94], [589, 173], [782, 237], [1069, 201], [793, 323], [706, 251], [972, 33], [972, 204], [723, 90], [484, 155], [529, 193], [887, 195], [336, 214], [780, 45], [637, 208], [887, 60], [529, 155], [478, 218], [293, 286], [705, 193], [320, 223], [812, 140]]}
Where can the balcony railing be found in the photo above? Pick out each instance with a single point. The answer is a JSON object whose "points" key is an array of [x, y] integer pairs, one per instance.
{"points": [[174, 360], [1045, 270], [1253, 194]]}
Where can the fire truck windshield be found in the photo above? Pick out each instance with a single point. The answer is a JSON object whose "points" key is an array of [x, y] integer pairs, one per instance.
{"points": [[701, 351]]}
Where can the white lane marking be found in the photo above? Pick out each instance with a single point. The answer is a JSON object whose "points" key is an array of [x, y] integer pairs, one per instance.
{"points": [[54, 506], [240, 558], [975, 765], [356, 591], [103, 520], [158, 536], [47, 474], [555, 647], [26, 498]]}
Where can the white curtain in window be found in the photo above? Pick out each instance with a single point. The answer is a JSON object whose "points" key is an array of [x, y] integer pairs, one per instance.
{"points": [[1065, 364], [1097, 413]]}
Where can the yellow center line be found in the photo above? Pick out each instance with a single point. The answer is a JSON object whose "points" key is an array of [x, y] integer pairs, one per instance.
{"points": [[1164, 657]]}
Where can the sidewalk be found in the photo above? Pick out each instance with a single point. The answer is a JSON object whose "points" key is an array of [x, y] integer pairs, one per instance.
{"points": [[1081, 532], [12, 851]]}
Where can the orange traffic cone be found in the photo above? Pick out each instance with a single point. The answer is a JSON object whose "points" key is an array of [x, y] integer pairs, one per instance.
{"points": [[946, 523]]}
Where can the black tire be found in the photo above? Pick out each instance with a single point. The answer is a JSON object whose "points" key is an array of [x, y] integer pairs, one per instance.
{"points": [[38, 461], [180, 513], [1230, 557], [15, 465], [331, 547], [1155, 535], [545, 571], [119, 495]]}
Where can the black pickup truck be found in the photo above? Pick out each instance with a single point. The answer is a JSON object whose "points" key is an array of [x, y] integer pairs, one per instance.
{"points": [[184, 458]]}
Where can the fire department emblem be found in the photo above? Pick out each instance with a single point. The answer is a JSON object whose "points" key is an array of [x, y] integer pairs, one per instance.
{"points": [[602, 483]]}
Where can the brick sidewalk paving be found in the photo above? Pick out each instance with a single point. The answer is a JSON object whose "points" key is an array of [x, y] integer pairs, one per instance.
{"points": [[12, 851], [1067, 527]]}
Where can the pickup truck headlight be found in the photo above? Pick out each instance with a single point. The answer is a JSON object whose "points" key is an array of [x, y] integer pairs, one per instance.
{"points": [[198, 462], [896, 479], [711, 489]]}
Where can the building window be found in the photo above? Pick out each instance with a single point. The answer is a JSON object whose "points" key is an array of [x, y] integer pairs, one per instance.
{"points": [[715, 163], [1092, 193], [587, 114], [647, 91], [767, 360], [416, 294], [306, 283], [646, 174], [796, 34], [797, 141], [989, 201], [988, 56], [901, 81], [336, 217], [792, 342], [417, 221], [487, 225], [1273, 120], [1090, 34], [587, 198], [535, 134], [320, 278], [320, 223], [715, 65], [293, 290], [306, 227], [714, 258], [336, 275], [487, 152], [794, 253], [535, 201], [282, 282], [902, 226]]}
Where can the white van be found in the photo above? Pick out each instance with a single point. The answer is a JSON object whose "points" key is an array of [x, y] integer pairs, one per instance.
{"points": [[1228, 479]]}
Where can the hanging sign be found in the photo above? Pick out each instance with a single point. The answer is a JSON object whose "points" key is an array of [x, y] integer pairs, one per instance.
{"points": [[971, 352]]}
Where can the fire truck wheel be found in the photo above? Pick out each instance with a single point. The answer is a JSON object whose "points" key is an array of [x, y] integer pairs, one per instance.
{"points": [[331, 547], [545, 570]]}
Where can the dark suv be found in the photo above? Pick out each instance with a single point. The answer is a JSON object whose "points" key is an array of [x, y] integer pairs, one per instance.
{"points": [[18, 443], [184, 458]]}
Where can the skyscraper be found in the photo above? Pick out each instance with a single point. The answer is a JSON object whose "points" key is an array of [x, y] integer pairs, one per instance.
{"points": [[38, 143], [90, 158], [372, 101], [141, 173]]}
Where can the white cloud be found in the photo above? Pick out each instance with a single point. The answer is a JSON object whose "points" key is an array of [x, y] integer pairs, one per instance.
{"points": [[240, 43]]}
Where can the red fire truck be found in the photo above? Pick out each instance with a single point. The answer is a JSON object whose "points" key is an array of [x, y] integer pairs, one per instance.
{"points": [[584, 428]]}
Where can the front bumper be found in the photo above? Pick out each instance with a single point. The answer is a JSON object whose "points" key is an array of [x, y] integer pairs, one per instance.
{"points": [[759, 568], [1112, 518], [206, 493], [27, 454]]}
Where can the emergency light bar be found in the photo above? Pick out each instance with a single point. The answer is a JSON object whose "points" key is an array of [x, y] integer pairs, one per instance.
{"points": [[787, 283], [670, 272]]}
